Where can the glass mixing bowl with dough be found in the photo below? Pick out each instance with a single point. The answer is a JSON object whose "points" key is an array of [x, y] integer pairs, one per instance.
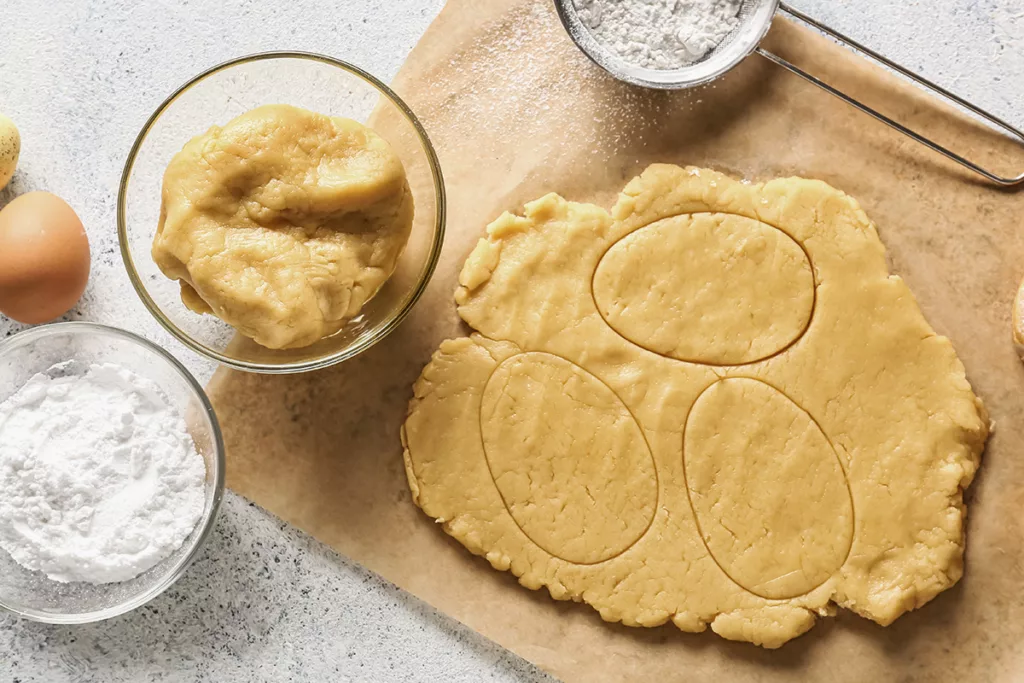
{"points": [[283, 223], [306, 234]]}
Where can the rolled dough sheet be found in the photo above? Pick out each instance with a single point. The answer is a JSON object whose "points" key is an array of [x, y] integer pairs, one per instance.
{"points": [[713, 405]]}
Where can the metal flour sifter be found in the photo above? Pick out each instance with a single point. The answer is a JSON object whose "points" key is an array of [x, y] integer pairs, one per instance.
{"points": [[755, 19]]}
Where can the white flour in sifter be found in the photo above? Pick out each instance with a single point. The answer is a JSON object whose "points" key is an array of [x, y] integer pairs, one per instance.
{"points": [[659, 34], [99, 479]]}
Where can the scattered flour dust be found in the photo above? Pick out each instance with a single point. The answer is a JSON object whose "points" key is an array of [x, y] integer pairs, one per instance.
{"points": [[99, 478], [659, 34], [523, 79]]}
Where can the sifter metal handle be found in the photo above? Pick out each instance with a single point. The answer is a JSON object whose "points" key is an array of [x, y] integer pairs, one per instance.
{"points": [[1005, 181]]}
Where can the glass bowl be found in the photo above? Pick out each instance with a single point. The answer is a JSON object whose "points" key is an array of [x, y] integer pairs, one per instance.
{"points": [[36, 350], [214, 97]]}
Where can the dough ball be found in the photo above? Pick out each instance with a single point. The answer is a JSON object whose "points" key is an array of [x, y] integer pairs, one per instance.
{"points": [[283, 223]]}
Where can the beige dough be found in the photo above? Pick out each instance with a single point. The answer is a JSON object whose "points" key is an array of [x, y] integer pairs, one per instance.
{"points": [[1018, 321], [712, 406], [283, 223]]}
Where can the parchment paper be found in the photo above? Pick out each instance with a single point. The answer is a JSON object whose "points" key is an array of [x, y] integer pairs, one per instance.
{"points": [[516, 111]]}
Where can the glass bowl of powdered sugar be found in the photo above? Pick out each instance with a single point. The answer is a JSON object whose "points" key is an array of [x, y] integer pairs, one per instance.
{"points": [[111, 472]]}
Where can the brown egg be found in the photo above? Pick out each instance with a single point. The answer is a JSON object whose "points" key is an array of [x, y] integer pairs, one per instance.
{"points": [[44, 258]]}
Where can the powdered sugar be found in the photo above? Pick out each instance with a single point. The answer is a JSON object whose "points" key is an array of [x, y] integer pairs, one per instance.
{"points": [[659, 34], [99, 478]]}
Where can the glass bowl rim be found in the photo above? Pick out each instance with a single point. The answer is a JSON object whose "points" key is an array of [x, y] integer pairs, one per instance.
{"points": [[205, 526], [391, 323]]}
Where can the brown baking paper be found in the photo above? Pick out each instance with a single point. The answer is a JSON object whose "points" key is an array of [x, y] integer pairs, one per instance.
{"points": [[515, 111]]}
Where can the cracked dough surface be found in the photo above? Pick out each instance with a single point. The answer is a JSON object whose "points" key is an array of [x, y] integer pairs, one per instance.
{"points": [[1018, 321], [283, 223], [712, 406]]}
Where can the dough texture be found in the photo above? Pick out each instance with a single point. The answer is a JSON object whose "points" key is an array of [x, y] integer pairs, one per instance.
{"points": [[1018, 321], [711, 406], [283, 223]]}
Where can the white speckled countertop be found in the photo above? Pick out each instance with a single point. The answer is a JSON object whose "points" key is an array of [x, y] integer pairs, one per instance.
{"points": [[265, 602]]}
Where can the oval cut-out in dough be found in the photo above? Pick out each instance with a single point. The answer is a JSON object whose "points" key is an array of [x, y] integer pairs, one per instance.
{"points": [[570, 461], [708, 288], [767, 488]]}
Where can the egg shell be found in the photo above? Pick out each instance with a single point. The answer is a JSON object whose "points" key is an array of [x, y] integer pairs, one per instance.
{"points": [[10, 148], [44, 258]]}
